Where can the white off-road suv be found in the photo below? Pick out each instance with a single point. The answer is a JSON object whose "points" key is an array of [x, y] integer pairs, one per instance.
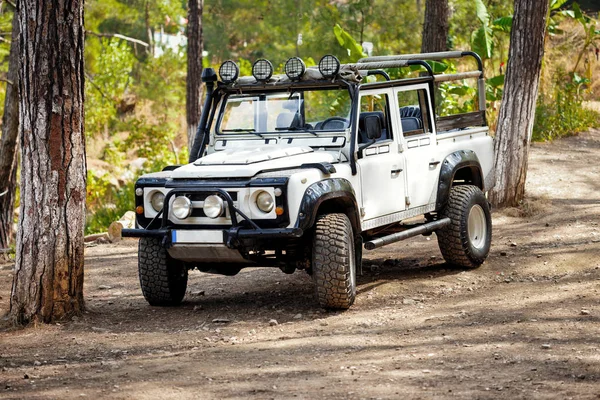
{"points": [[301, 171]]}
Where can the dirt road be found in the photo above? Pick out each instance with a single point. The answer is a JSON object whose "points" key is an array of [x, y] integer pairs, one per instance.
{"points": [[523, 326]]}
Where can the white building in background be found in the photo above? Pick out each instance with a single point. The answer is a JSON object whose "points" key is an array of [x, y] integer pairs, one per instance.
{"points": [[164, 41]]}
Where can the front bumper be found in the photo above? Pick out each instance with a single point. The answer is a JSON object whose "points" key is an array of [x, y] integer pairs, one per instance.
{"points": [[213, 246], [231, 236]]}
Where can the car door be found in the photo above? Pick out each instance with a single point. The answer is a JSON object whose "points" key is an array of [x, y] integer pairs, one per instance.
{"points": [[419, 145], [381, 165]]}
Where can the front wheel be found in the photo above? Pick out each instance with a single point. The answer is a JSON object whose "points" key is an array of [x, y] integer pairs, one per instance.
{"points": [[162, 278], [334, 261], [466, 241]]}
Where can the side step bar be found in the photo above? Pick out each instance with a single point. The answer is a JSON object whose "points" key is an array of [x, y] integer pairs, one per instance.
{"points": [[396, 237]]}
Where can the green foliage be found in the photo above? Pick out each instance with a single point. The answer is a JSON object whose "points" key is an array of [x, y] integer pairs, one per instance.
{"points": [[107, 84], [456, 97], [592, 35], [6, 16], [483, 39], [494, 88], [562, 113], [503, 24], [107, 201], [354, 49]]}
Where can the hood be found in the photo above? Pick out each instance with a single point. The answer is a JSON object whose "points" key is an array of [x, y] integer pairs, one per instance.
{"points": [[247, 162]]}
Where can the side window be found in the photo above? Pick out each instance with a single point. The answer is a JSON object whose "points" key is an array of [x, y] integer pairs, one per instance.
{"points": [[375, 105], [414, 112]]}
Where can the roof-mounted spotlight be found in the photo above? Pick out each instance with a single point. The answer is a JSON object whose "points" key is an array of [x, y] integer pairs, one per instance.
{"points": [[262, 70], [294, 68], [229, 71], [329, 66]]}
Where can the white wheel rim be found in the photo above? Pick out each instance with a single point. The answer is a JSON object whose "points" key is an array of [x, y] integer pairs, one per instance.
{"points": [[477, 227]]}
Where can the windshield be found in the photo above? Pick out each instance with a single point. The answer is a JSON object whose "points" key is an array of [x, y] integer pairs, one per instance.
{"points": [[311, 111]]}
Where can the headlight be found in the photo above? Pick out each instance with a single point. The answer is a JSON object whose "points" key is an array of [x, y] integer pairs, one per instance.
{"points": [[182, 207], [264, 202], [213, 206], [157, 200]]}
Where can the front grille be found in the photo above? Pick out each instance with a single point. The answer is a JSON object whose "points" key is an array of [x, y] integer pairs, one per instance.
{"points": [[203, 196]]}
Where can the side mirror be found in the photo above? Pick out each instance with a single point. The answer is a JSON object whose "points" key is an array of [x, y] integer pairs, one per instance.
{"points": [[372, 127]]}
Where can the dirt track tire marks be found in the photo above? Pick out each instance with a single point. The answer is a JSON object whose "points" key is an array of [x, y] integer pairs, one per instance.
{"points": [[334, 261], [454, 241], [162, 278]]}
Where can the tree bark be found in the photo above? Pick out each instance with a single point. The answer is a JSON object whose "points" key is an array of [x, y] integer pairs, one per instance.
{"points": [[150, 48], [435, 26], [194, 68], [8, 142], [517, 110], [48, 279]]}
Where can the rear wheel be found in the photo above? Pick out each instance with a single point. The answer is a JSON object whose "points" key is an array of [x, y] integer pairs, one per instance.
{"points": [[334, 261], [466, 241], [162, 278]]}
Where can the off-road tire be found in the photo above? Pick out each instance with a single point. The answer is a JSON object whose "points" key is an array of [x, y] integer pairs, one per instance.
{"points": [[458, 246], [334, 261], [162, 278]]}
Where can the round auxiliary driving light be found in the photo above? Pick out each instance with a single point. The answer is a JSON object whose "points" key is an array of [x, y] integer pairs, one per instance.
{"points": [[213, 206], [294, 68], [265, 202], [157, 201], [229, 71], [329, 66], [182, 207], [262, 70]]}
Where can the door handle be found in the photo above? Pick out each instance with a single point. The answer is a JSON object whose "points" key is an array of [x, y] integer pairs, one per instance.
{"points": [[434, 163], [396, 171]]}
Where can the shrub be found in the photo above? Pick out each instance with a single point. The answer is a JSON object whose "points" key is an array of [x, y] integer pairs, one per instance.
{"points": [[562, 113]]}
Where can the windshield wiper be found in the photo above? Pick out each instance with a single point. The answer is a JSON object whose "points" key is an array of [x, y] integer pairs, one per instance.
{"points": [[297, 129], [250, 130]]}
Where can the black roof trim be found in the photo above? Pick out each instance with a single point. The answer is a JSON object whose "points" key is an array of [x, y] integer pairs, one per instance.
{"points": [[277, 87]]}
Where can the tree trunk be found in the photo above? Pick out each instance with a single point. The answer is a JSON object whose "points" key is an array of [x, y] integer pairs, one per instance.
{"points": [[48, 279], [150, 48], [435, 26], [194, 68], [517, 110], [8, 142]]}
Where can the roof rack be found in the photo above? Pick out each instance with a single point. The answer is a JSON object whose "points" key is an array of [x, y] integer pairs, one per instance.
{"points": [[399, 61]]}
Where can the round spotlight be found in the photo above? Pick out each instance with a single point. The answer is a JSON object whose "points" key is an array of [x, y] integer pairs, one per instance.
{"points": [[329, 66], [294, 68], [182, 207], [157, 200], [213, 206], [265, 202], [262, 70], [229, 71]]}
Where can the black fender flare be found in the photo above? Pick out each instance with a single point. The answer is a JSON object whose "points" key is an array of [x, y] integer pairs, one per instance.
{"points": [[339, 189], [452, 163]]}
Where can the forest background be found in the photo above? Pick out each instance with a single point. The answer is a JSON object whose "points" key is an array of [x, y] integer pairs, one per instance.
{"points": [[135, 60]]}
